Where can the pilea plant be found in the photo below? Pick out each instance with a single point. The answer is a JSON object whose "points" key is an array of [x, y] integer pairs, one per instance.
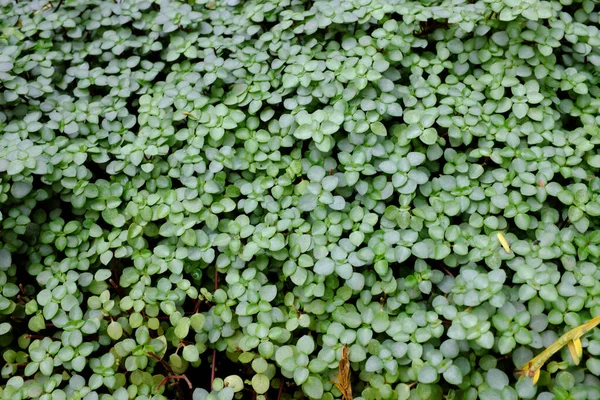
{"points": [[358, 199]]}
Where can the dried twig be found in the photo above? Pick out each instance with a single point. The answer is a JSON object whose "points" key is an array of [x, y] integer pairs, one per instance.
{"points": [[343, 378]]}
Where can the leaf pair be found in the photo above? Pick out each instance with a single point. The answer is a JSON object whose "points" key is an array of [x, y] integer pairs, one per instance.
{"points": [[572, 339]]}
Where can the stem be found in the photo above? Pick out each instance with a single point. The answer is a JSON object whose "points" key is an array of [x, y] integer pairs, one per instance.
{"points": [[214, 359], [280, 389], [33, 336], [212, 371], [163, 362], [446, 271], [166, 378]]}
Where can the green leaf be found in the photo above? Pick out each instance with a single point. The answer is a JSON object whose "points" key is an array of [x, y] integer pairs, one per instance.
{"points": [[497, 379], [15, 167], [50, 310], [260, 365], [522, 221], [313, 388], [47, 366], [566, 197], [5, 327], [306, 344], [304, 132], [260, 383], [197, 322], [423, 249], [283, 353], [324, 266], [190, 353], [380, 322], [5, 259], [20, 189], [428, 374], [268, 293], [453, 375], [308, 202], [374, 364], [182, 329], [378, 129], [114, 330], [300, 375], [234, 382]]}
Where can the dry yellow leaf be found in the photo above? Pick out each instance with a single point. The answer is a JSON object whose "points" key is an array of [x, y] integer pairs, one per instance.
{"points": [[576, 350], [47, 6], [189, 114], [503, 242], [572, 339]]}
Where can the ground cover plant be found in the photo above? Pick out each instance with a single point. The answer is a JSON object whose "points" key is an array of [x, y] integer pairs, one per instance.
{"points": [[367, 199]]}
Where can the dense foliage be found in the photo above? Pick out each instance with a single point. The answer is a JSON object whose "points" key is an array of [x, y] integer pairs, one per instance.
{"points": [[245, 187]]}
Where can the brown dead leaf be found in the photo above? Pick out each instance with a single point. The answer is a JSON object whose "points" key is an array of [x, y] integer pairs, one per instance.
{"points": [[343, 378]]}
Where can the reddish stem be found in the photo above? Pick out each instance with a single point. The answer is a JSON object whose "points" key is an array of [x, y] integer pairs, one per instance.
{"points": [[166, 378], [212, 371], [280, 389], [214, 359], [33, 336], [163, 362], [446, 271]]}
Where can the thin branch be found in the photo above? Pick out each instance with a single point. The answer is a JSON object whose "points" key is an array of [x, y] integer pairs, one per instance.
{"points": [[280, 389], [213, 368], [163, 362], [169, 377], [214, 359]]}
